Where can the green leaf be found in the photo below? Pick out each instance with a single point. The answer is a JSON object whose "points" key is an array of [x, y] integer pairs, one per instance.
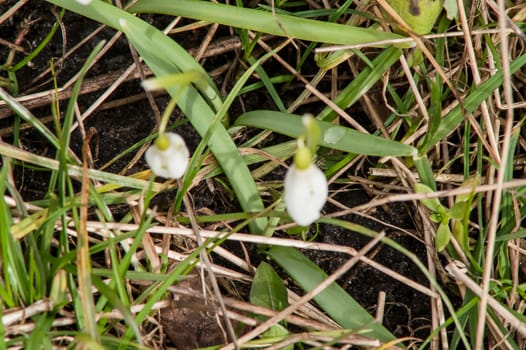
{"points": [[503, 262], [117, 303], [278, 332], [36, 51], [420, 15], [451, 8], [7, 292], [265, 22], [435, 217], [459, 210], [333, 136], [461, 236], [423, 167], [443, 235], [267, 289], [334, 300], [432, 204], [27, 116]]}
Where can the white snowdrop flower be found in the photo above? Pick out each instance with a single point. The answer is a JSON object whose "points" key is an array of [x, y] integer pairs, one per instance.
{"points": [[84, 2], [306, 192], [168, 156]]}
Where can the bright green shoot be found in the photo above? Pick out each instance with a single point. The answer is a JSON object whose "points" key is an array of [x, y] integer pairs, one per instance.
{"points": [[458, 216]]}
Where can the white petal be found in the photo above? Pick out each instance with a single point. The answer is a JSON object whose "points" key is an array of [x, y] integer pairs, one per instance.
{"points": [[84, 2], [151, 84], [171, 162], [306, 192]]}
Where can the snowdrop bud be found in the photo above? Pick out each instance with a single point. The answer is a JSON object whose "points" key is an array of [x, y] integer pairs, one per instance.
{"points": [[84, 2], [306, 192], [168, 156], [303, 156]]}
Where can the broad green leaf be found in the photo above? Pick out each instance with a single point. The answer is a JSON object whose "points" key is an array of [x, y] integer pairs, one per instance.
{"points": [[333, 136], [443, 235], [267, 289], [459, 210], [435, 217], [432, 204], [265, 22], [334, 300], [451, 8], [461, 236], [420, 15]]}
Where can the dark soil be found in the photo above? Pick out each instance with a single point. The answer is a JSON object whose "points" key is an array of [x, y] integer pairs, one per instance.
{"points": [[406, 310], [118, 128]]}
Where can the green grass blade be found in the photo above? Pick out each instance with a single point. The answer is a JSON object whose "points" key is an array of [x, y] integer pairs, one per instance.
{"points": [[38, 338], [6, 292], [265, 79], [265, 22], [70, 111], [334, 136], [34, 53], [75, 170], [25, 114], [363, 82], [472, 102], [425, 172], [15, 273], [119, 305]]}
